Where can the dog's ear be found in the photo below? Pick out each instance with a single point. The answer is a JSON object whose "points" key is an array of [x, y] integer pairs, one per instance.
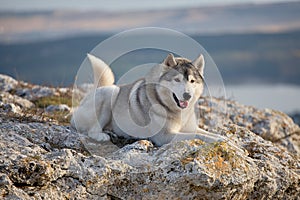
{"points": [[199, 63], [170, 61]]}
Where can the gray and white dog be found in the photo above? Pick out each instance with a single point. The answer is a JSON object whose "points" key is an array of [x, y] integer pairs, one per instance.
{"points": [[159, 107]]}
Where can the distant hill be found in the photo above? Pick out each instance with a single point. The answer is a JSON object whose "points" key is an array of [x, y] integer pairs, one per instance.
{"points": [[272, 58], [243, 18], [53, 62]]}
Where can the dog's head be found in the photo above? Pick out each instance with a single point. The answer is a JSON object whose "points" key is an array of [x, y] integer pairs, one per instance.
{"points": [[182, 80]]}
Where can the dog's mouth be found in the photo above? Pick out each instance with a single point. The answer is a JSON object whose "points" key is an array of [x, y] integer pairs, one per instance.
{"points": [[180, 103]]}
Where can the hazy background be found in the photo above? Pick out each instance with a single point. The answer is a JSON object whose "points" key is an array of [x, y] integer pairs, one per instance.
{"points": [[255, 44]]}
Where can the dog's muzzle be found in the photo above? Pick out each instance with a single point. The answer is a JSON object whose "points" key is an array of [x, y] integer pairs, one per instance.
{"points": [[180, 103]]}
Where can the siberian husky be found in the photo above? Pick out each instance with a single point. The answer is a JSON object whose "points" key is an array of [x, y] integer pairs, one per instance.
{"points": [[159, 107]]}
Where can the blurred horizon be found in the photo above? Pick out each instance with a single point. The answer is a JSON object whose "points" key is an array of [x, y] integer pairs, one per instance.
{"points": [[119, 5], [30, 22], [253, 42]]}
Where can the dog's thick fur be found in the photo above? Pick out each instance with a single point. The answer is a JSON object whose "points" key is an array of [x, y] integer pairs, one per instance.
{"points": [[159, 107]]}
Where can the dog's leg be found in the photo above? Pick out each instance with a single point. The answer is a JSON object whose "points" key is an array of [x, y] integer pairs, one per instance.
{"points": [[98, 135], [206, 133], [219, 138], [94, 113], [162, 139], [207, 138], [104, 116]]}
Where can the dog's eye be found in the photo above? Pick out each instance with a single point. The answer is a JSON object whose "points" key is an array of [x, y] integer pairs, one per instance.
{"points": [[192, 81], [176, 79]]}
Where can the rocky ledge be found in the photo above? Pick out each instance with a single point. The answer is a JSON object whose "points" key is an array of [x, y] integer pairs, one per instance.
{"points": [[41, 157]]}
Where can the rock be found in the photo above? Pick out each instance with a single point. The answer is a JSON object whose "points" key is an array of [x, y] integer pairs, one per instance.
{"points": [[63, 90], [9, 191], [58, 108], [14, 104], [36, 92], [272, 125], [296, 117], [10, 107], [186, 169], [6, 98], [41, 159], [7, 83]]}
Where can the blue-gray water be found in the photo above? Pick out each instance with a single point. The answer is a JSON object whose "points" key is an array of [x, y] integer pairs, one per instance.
{"points": [[285, 98]]}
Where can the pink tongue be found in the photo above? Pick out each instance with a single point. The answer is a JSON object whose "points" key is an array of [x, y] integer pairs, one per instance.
{"points": [[183, 104]]}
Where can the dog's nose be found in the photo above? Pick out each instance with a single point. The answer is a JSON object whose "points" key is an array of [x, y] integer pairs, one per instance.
{"points": [[186, 96]]}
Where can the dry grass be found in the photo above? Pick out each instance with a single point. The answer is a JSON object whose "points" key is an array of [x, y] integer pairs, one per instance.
{"points": [[38, 113], [53, 100]]}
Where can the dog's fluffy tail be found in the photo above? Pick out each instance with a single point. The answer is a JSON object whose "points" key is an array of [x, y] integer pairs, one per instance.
{"points": [[103, 76]]}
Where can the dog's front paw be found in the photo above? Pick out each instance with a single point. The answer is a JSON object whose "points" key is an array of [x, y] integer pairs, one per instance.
{"points": [[99, 136]]}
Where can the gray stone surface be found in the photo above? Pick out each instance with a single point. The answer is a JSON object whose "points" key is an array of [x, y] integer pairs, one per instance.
{"points": [[40, 159], [271, 125], [7, 83], [58, 108], [35, 92], [8, 98]]}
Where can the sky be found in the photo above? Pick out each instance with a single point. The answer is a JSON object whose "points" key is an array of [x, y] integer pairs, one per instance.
{"points": [[114, 5]]}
